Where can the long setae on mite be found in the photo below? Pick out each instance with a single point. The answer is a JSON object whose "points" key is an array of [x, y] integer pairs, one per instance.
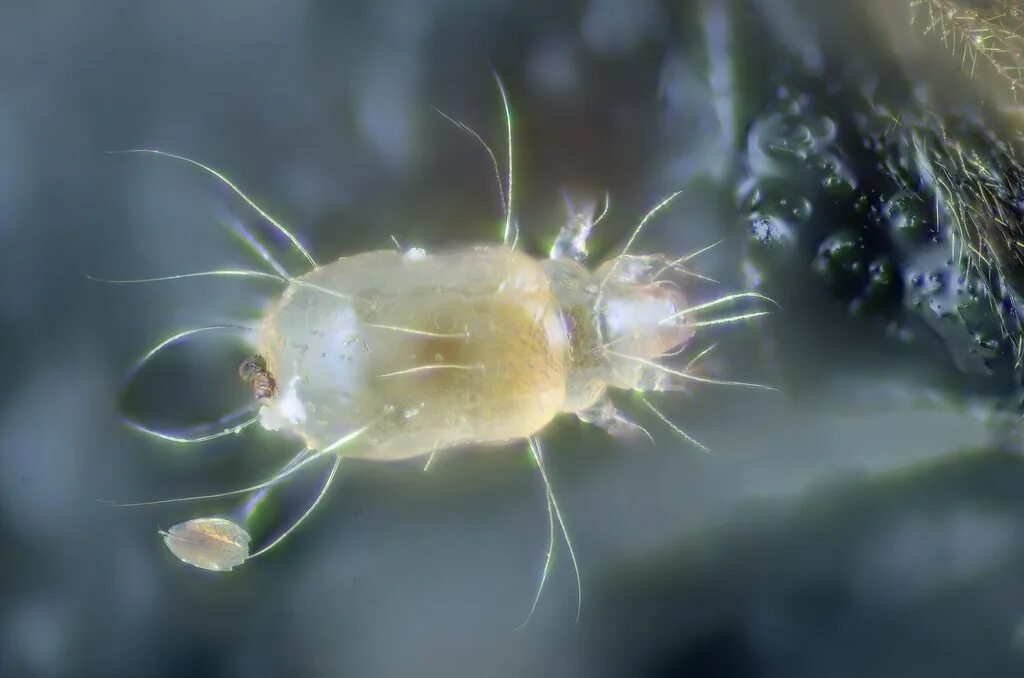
{"points": [[394, 354]]}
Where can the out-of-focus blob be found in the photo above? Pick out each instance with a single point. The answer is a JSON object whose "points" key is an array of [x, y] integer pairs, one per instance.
{"points": [[209, 543], [614, 28]]}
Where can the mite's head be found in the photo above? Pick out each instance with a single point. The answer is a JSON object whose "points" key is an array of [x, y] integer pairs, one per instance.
{"points": [[641, 319]]}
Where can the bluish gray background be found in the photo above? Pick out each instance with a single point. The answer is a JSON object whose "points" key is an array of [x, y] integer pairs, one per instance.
{"points": [[842, 533]]}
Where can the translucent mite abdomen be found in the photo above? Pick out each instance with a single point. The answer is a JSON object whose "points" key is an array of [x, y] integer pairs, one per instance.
{"points": [[438, 350]]}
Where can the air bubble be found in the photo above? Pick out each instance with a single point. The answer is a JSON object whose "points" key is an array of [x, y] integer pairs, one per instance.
{"points": [[840, 258], [836, 176], [780, 140], [904, 214], [776, 214]]}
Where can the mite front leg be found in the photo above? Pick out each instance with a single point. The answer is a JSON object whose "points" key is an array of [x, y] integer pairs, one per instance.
{"points": [[605, 415], [571, 242]]}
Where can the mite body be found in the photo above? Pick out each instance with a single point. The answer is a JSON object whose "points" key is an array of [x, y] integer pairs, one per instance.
{"points": [[391, 355], [432, 351]]}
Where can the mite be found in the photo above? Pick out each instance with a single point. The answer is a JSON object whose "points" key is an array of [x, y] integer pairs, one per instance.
{"points": [[390, 355]]}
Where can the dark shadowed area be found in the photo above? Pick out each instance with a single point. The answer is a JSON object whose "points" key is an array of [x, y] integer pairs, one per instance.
{"points": [[865, 520]]}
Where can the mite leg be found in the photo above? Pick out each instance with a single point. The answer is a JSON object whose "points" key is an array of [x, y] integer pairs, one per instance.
{"points": [[605, 415], [571, 242], [654, 379]]}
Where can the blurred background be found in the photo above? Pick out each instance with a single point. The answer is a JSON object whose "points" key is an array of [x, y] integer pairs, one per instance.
{"points": [[866, 520]]}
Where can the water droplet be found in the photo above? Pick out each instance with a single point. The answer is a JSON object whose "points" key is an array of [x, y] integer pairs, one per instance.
{"points": [[785, 139], [904, 213], [770, 231], [776, 213], [840, 258], [836, 177], [883, 289]]}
